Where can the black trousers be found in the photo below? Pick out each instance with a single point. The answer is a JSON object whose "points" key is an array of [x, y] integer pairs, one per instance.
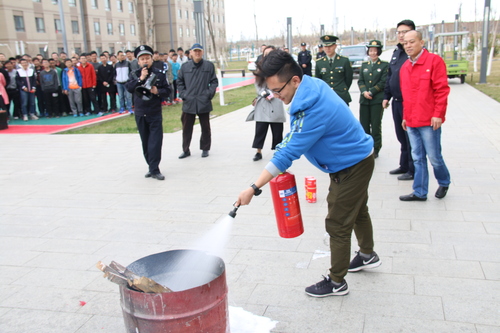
{"points": [[151, 132], [40, 101], [88, 96], [405, 159], [261, 133], [188, 120], [64, 102], [52, 103], [14, 97], [111, 90]]}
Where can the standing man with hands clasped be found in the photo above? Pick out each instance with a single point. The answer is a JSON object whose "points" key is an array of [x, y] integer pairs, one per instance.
{"points": [[393, 91], [148, 116], [324, 130], [424, 84], [196, 82]]}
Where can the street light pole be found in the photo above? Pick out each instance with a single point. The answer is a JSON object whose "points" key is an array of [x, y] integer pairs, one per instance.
{"points": [[63, 26], [484, 51]]}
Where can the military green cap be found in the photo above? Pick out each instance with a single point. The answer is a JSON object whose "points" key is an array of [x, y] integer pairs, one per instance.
{"points": [[328, 40], [374, 43]]}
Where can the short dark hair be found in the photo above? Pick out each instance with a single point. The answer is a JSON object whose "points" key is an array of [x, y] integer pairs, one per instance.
{"points": [[128, 51], [280, 63], [409, 23], [83, 55], [180, 49], [68, 59], [93, 52], [117, 53], [103, 55], [379, 50]]}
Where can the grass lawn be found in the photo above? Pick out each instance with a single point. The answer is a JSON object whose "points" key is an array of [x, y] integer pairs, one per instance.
{"points": [[235, 99], [492, 87]]}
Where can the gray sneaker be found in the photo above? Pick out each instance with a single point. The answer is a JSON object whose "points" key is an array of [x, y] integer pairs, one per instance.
{"points": [[358, 263]]}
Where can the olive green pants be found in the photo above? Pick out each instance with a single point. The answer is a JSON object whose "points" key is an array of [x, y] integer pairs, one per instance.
{"points": [[348, 210], [370, 117]]}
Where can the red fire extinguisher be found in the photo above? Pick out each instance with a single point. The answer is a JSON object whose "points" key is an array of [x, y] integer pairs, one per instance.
{"points": [[286, 205]]}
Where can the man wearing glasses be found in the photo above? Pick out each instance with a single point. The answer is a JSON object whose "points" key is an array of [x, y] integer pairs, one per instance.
{"points": [[323, 128], [392, 90]]}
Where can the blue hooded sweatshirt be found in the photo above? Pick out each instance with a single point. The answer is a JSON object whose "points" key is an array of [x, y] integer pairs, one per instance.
{"points": [[323, 129]]}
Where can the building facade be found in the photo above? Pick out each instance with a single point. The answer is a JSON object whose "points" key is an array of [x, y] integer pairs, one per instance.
{"points": [[36, 26]]}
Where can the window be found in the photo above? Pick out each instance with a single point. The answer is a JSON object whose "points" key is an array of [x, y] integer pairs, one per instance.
{"points": [[187, 15], [132, 29], [37, 0], [107, 4], [98, 49], [119, 4], [72, 3], [94, 4], [218, 18], [223, 19], [180, 13], [111, 49], [57, 24], [78, 50], [75, 27], [54, 2], [121, 28], [194, 15], [149, 13], [19, 23], [131, 7], [60, 49], [97, 28], [194, 32], [110, 28], [187, 32], [150, 32], [40, 24], [180, 32]]}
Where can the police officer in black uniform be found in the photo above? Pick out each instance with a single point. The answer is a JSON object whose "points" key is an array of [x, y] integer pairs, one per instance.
{"points": [[304, 59], [148, 116], [321, 52]]}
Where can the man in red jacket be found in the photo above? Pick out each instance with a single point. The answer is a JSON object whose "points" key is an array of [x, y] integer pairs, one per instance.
{"points": [[424, 85], [89, 83]]}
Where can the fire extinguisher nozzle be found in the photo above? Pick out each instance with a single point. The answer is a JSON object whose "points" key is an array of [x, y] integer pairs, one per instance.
{"points": [[233, 212]]}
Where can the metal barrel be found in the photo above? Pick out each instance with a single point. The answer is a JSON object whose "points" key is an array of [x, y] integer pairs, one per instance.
{"points": [[197, 304]]}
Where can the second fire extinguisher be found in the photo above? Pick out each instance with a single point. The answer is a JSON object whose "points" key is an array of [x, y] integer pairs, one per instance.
{"points": [[286, 205]]}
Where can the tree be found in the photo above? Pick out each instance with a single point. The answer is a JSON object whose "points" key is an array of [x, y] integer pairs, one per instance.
{"points": [[210, 27]]}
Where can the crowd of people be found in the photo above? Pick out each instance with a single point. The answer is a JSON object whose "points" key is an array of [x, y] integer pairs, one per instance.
{"points": [[81, 85]]}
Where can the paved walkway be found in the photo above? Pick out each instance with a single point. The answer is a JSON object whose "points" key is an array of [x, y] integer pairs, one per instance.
{"points": [[67, 201]]}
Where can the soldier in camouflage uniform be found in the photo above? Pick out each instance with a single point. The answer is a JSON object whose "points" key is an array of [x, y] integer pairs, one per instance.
{"points": [[335, 69]]}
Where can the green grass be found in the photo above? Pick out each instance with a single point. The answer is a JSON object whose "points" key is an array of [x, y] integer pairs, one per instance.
{"points": [[235, 100], [492, 85]]}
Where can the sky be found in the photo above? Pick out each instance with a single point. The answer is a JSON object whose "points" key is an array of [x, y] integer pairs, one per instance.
{"points": [[307, 16]]}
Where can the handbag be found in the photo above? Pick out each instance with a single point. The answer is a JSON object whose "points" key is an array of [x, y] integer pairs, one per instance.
{"points": [[251, 115]]}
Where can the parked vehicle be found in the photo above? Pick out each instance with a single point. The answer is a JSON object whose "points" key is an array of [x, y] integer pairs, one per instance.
{"points": [[456, 66], [356, 54]]}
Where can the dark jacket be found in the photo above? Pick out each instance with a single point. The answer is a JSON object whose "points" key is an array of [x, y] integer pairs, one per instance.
{"points": [[105, 74], [153, 106], [26, 78], [197, 84], [304, 58], [49, 81], [6, 75], [392, 87], [372, 78]]}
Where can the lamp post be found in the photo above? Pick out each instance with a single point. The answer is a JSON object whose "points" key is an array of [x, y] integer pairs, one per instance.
{"points": [[484, 50]]}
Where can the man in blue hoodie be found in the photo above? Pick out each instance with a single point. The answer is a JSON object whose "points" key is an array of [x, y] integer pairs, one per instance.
{"points": [[324, 130]]}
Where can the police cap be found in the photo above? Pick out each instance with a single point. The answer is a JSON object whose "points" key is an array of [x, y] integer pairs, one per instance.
{"points": [[302, 44], [328, 40], [143, 49]]}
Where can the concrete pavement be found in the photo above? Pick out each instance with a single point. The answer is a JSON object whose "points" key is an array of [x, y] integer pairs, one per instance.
{"points": [[68, 201]]}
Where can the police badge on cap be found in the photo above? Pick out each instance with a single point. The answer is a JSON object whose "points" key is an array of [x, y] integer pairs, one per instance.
{"points": [[143, 49]]}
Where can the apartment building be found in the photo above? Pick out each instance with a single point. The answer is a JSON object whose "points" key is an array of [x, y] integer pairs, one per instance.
{"points": [[36, 26]]}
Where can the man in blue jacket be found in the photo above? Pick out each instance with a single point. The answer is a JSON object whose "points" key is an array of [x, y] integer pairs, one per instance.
{"points": [[325, 131]]}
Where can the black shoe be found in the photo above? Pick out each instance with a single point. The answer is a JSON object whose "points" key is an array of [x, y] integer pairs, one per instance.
{"points": [[411, 197], [358, 263], [204, 153], [326, 288], [406, 176], [185, 154], [158, 176], [397, 171], [375, 155], [257, 157], [441, 192], [148, 174]]}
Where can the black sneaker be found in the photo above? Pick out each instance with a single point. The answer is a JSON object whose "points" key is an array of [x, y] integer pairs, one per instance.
{"points": [[327, 288], [358, 263]]}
